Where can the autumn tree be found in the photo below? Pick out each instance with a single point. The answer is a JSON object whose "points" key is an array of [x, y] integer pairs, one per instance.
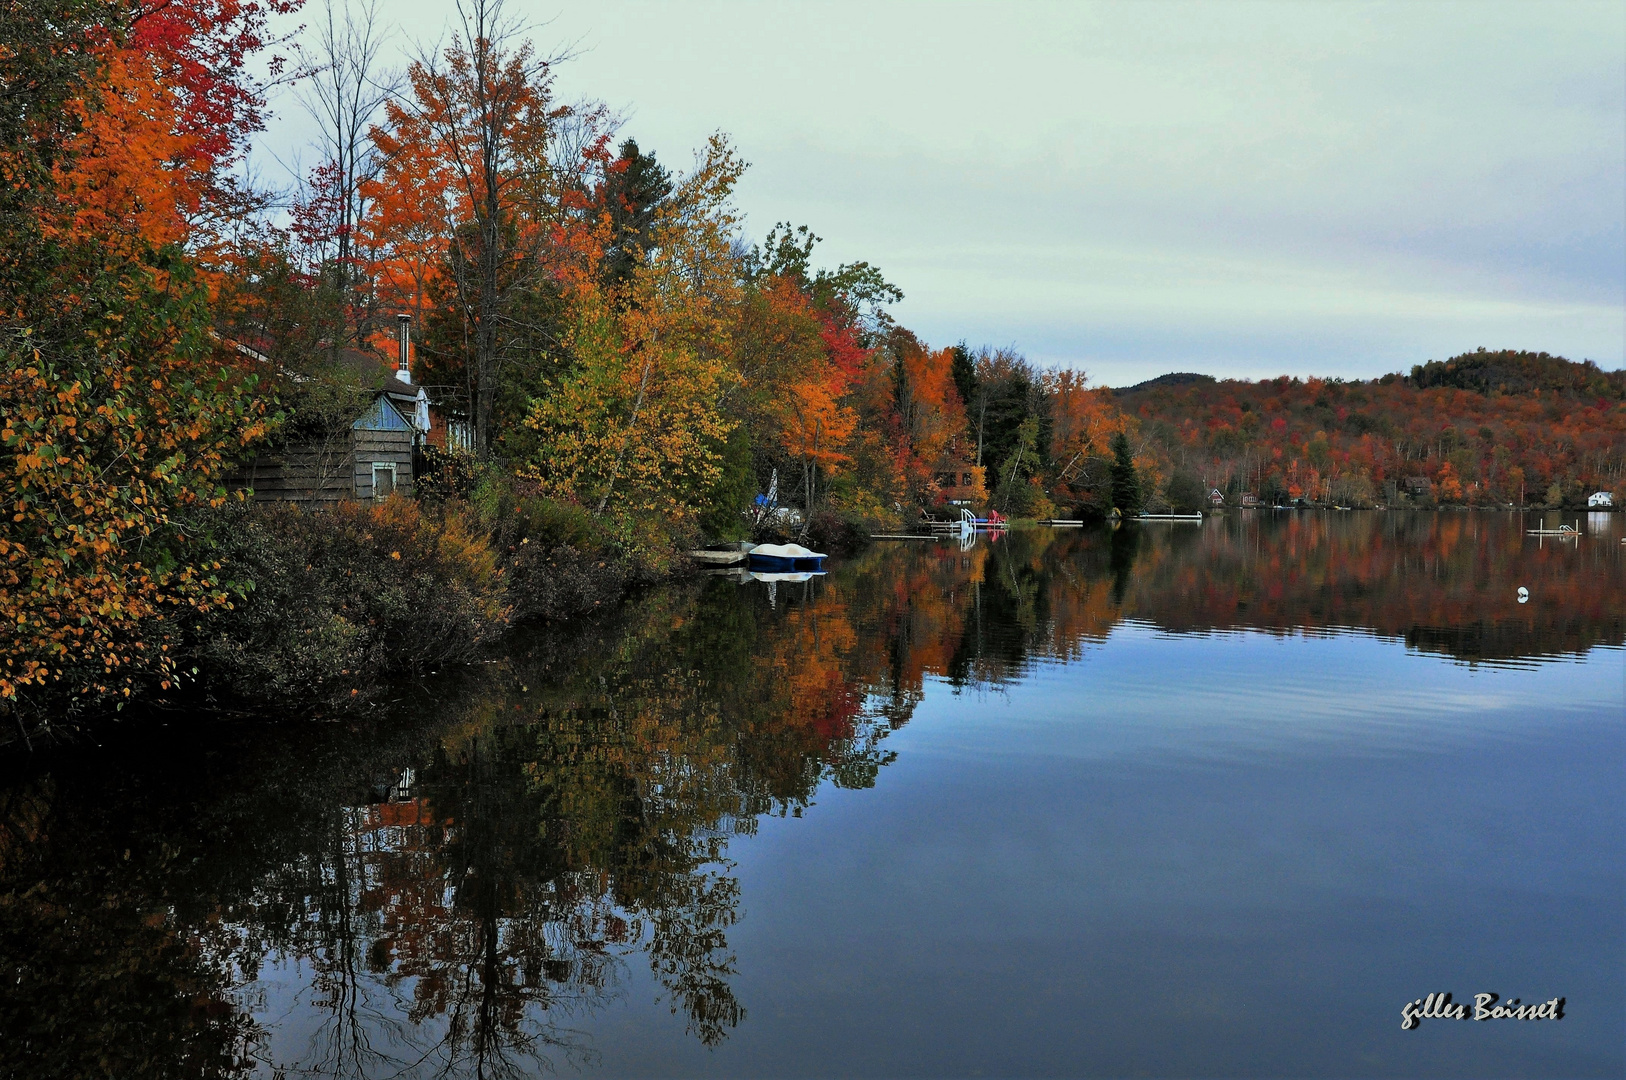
{"points": [[635, 423], [119, 408], [1083, 424], [468, 183], [346, 88]]}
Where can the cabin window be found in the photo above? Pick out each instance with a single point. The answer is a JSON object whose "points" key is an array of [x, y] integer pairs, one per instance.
{"points": [[383, 479]]}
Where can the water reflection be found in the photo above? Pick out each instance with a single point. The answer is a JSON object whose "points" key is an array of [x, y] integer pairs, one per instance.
{"points": [[459, 888]]}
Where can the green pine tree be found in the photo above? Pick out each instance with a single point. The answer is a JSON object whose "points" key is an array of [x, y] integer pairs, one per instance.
{"points": [[1126, 494]]}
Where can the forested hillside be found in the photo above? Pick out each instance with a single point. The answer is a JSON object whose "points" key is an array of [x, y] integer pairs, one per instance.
{"points": [[1480, 429]]}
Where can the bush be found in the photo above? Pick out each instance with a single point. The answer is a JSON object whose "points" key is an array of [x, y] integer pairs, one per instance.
{"points": [[441, 476], [1023, 499], [835, 532], [559, 560], [335, 604]]}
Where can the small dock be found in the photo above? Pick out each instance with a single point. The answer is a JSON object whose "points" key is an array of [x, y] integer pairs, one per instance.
{"points": [[712, 557]]}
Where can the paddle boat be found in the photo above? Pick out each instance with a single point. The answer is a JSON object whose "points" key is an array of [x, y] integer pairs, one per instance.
{"points": [[784, 558]]}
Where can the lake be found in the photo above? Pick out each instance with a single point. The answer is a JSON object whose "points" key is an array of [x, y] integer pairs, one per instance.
{"points": [[1174, 799]]}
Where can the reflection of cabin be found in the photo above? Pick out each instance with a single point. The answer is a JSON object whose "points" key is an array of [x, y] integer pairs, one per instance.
{"points": [[1601, 500]]}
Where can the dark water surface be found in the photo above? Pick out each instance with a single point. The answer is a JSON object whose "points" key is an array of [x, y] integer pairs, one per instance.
{"points": [[1178, 800]]}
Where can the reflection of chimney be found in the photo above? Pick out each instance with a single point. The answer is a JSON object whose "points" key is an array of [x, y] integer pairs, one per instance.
{"points": [[403, 363]]}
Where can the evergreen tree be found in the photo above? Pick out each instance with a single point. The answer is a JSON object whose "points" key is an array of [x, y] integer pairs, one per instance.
{"points": [[636, 186], [1126, 495], [964, 370]]}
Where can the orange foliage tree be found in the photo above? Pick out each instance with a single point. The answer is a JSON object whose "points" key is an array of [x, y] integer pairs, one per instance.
{"points": [[119, 412], [470, 194]]}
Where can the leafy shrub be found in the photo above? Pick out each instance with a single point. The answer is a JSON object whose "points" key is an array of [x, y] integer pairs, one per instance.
{"points": [[334, 604], [1024, 499], [559, 560], [443, 475], [837, 533], [112, 430]]}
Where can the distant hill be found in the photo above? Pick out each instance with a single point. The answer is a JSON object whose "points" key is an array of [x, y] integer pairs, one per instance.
{"points": [[1173, 379], [1510, 372], [1483, 428]]}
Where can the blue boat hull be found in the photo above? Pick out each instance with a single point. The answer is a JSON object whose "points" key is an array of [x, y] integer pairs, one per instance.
{"points": [[780, 564]]}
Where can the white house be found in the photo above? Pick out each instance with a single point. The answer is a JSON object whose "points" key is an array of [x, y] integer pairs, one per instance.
{"points": [[1601, 500]]}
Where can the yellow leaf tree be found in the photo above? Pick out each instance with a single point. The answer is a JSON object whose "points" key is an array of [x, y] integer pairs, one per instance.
{"points": [[637, 424]]}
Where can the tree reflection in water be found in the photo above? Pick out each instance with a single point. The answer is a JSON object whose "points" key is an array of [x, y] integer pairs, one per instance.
{"points": [[456, 888]]}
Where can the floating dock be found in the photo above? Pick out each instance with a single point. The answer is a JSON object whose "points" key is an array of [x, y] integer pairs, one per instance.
{"points": [[711, 557]]}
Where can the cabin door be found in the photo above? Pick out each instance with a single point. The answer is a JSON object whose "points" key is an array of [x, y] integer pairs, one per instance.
{"points": [[383, 479]]}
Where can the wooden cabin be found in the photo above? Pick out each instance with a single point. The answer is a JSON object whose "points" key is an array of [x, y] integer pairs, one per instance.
{"points": [[372, 459]]}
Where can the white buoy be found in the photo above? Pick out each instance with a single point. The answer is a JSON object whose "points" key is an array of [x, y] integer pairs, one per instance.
{"points": [[1524, 595]]}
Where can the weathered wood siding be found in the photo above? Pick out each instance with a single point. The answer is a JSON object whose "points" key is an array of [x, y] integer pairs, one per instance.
{"points": [[327, 473], [309, 474], [382, 447]]}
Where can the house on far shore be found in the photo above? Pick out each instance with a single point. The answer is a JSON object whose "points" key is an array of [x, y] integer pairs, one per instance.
{"points": [[1250, 501], [1216, 497], [1601, 500], [373, 458], [1417, 486]]}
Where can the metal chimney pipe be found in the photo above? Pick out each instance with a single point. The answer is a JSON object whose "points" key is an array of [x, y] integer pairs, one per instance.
{"points": [[403, 364]]}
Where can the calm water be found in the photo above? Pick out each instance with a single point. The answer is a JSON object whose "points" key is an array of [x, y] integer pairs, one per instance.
{"points": [[1179, 800]]}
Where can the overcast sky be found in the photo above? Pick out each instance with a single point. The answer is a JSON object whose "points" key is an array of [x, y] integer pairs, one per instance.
{"points": [[1137, 188]]}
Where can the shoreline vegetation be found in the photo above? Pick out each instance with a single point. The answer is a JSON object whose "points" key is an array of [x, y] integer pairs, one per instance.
{"points": [[616, 372]]}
